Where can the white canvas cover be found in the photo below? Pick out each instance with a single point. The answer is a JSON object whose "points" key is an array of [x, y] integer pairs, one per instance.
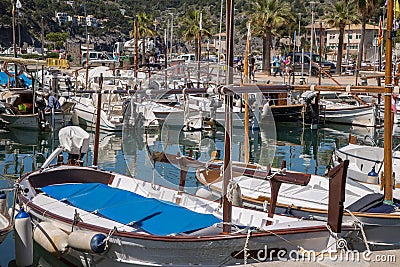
{"points": [[74, 139], [95, 72]]}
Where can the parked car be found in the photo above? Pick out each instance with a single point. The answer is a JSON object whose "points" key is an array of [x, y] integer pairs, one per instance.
{"points": [[297, 65], [98, 58], [187, 57]]}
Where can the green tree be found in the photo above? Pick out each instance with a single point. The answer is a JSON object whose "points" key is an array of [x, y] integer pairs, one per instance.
{"points": [[57, 38], [145, 28], [339, 14], [266, 16], [191, 27], [366, 8]]}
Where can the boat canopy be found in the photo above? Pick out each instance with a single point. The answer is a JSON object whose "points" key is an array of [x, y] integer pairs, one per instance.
{"points": [[152, 215], [74, 139]]}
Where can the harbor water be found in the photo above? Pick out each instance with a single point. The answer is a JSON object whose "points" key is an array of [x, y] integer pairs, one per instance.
{"points": [[304, 149]]}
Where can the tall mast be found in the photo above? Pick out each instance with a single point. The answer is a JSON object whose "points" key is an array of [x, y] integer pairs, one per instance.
{"points": [[219, 38], [227, 206], [136, 37], [199, 48], [87, 51], [14, 44], [246, 97], [388, 189]]}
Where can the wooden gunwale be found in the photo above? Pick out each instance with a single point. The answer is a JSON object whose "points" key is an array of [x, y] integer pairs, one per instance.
{"points": [[260, 200]]}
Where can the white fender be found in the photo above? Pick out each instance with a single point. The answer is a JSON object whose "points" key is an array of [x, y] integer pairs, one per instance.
{"points": [[23, 239], [87, 241], [3, 203], [237, 196], [50, 237]]}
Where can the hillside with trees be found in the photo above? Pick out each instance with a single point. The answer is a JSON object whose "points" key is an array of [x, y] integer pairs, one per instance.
{"points": [[116, 18]]}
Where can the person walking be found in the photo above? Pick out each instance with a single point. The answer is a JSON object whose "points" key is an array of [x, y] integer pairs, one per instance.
{"points": [[288, 66], [278, 64], [252, 63]]}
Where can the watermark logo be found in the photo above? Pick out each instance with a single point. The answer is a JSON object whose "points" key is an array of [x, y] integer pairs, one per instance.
{"points": [[341, 254]]}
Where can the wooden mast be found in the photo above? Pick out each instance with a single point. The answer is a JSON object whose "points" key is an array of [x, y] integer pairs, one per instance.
{"points": [[227, 206], [199, 48], [97, 131], [388, 190]]}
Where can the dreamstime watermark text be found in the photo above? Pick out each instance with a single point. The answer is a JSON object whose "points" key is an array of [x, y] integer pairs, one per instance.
{"points": [[271, 254]]}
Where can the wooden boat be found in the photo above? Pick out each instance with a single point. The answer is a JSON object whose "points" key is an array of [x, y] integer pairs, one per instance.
{"points": [[282, 107], [19, 111], [363, 202], [344, 109], [171, 227]]}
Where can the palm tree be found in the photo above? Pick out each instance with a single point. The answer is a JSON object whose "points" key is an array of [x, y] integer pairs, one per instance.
{"points": [[191, 27], [339, 14], [145, 28], [366, 8], [266, 16]]}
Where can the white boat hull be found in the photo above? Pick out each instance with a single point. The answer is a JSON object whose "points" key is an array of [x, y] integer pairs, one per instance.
{"points": [[361, 160], [354, 115], [32, 122], [87, 117]]}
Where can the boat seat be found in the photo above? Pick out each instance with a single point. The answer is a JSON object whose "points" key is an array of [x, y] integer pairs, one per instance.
{"points": [[67, 106], [366, 202]]}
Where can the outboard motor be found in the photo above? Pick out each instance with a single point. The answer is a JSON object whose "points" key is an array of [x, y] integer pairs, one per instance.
{"points": [[75, 141], [40, 105], [312, 109], [40, 102], [308, 96]]}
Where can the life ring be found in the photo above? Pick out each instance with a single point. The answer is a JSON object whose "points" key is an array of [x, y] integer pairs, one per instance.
{"points": [[5, 69]]}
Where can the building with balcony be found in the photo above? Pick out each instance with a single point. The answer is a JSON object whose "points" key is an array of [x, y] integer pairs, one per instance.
{"points": [[351, 41]]}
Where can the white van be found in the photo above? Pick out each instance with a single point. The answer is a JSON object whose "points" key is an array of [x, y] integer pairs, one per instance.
{"points": [[97, 57], [187, 57]]}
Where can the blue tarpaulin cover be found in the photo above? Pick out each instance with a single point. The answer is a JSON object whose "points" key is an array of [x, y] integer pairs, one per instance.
{"points": [[152, 215], [4, 79]]}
